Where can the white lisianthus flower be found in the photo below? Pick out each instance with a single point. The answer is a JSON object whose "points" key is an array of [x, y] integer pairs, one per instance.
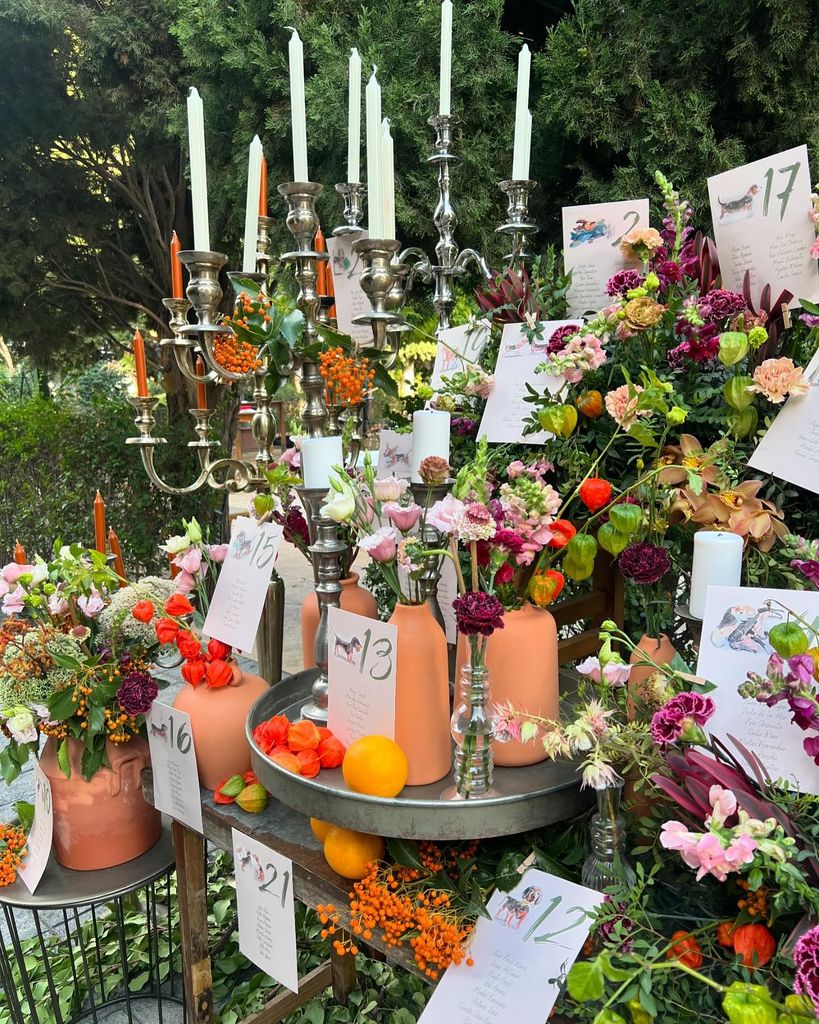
{"points": [[173, 545], [340, 505], [21, 726]]}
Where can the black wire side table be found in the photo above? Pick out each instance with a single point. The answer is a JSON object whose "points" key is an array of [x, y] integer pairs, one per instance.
{"points": [[89, 942]]}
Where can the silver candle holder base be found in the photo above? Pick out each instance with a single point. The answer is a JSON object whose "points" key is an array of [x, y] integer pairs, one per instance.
{"points": [[353, 194], [518, 224], [377, 281], [426, 495]]}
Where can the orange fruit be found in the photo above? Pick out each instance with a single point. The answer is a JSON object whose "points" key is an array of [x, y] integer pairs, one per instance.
{"points": [[348, 853], [320, 828], [376, 766]]}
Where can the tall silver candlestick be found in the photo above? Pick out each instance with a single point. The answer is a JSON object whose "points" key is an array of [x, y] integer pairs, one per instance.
{"points": [[518, 223]]}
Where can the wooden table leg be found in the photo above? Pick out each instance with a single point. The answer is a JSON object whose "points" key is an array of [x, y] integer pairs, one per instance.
{"points": [[343, 972], [193, 917]]}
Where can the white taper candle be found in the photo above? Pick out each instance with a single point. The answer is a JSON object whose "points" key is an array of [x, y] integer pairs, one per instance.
{"points": [[446, 58], [298, 114], [387, 180], [199, 173], [373, 103], [354, 118], [254, 181], [521, 113]]}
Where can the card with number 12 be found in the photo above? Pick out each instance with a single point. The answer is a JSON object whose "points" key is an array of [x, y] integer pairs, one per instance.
{"points": [[361, 672]]}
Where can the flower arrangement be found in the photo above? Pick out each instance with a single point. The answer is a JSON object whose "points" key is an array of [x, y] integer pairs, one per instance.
{"points": [[194, 560]]}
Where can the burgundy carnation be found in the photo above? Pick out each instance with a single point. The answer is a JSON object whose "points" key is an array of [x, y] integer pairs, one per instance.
{"points": [[721, 304], [623, 281], [558, 338], [669, 272], [668, 724], [136, 693], [644, 563], [806, 958], [296, 530], [476, 612], [464, 427]]}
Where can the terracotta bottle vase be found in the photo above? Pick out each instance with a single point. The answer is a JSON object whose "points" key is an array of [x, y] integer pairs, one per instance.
{"points": [[353, 599], [105, 821], [422, 694], [218, 719], [523, 660], [660, 650]]}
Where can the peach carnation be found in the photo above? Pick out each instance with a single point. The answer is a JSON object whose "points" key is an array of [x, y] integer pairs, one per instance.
{"points": [[622, 406], [778, 378], [641, 243]]}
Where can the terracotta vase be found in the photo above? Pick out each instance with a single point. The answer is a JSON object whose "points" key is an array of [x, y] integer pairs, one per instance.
{"points": [[422, 694], [353, 599], [662, 652], [523, 660], [105, 821], [218, 719]]}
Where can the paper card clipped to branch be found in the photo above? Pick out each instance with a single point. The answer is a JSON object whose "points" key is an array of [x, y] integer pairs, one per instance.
{"points": [[457, 347], [506, 408], [346, 267], [735, 628], [38, 841], [761, 224], [534, 936], [361, 675], [394, 454], [264, 905], [790, 448], [173, 759], [238, 600], [591, 248]]}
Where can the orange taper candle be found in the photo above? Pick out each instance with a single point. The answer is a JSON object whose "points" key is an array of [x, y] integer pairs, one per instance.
{"points": [[19, 553], [116, 551], [201, 386], [99, 523], [141, 366], [321, 280], [331, 288], [176, 267], [263, 190]]}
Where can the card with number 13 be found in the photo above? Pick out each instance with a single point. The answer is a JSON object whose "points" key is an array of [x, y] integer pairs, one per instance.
{"points": [[361, 671]]}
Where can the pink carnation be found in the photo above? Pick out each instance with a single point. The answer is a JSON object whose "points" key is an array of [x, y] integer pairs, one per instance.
{"points": [[622, 406], [778, 378]]}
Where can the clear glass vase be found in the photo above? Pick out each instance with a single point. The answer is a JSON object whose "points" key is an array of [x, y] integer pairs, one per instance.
{"points": [[473, 727], [607, 863]]}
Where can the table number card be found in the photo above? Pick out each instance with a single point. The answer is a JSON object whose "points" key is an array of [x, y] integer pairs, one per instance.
{"points": [[790, 448], [735, 628], [264, 906], [534, 936], [591, 248], [361, 674], [38, 841], [346, 267], [761, 224], [447, 592], [506, 409], [237, 602], [173, 759], [394, 454], [455, 344]]}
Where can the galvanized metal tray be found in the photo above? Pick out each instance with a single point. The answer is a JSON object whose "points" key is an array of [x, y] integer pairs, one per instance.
{"points": [[527, 798]]}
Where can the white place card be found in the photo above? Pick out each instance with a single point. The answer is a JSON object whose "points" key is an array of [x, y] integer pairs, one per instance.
{"points": [[505, 410], [447, 592], [761, 224], [264, 906], [591, 248], [361, 673], [735, 628], [238, 599], [455, 345], [38, 840], [173, 760], [394, 454], [790, 448], [346, 267], [520, 956]]}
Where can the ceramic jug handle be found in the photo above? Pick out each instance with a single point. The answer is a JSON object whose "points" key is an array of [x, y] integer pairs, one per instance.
{"points": [[128, 770]]}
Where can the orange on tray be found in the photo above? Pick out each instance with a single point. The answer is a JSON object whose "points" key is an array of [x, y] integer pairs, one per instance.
{"points": [[320, 828], [376, 766], [349, 853]]}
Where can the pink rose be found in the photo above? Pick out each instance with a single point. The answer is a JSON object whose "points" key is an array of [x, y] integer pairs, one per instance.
{"points": [[13, 602], [778, 378], [12, 572], [189, 561], [389, 489], [218, 552], [443, 513], [402, 516], [380, 545]]}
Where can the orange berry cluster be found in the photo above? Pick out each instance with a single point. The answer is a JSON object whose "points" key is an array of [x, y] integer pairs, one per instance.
{"points": [[234, 354], [12, 851], [347, 378], [328, 916], [756, 903]]}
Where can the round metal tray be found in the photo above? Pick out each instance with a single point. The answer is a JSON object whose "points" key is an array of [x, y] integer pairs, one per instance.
{"points": [[526, 798]]}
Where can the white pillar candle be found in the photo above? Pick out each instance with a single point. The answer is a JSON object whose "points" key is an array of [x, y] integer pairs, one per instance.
{"points": [[298, 114], [527, 152], [318, 457], [373, 102], [521, 113], [387, 180], [430, 436], [199, 173], [254, 184], [446, 58], [717, 563], [354, 118]]}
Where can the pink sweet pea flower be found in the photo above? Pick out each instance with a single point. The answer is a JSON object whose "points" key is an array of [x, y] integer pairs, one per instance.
{"points": [[218, 552], [402, 516], [381, 545], [13, 601], [292, 457], [614, 673]]}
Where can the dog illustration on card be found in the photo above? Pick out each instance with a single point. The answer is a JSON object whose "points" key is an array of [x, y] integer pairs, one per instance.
{"points": [[741, 207], [514, 911], [346, 650], [392, 456], [745, 628]]}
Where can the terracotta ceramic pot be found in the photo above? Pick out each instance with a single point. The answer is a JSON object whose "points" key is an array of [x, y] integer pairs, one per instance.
{"points": [[105, 821], [523, 660], [218, 719], [353, 599], [661, 651], [422, 694]]}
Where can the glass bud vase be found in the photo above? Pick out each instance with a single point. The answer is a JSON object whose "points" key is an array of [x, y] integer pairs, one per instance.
{"points": [[473, 726], [607, 863]]}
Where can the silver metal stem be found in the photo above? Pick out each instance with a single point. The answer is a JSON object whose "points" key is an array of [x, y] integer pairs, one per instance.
{"points": [[378, 279], [426, 495], [518, 223], [353, 193]]}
